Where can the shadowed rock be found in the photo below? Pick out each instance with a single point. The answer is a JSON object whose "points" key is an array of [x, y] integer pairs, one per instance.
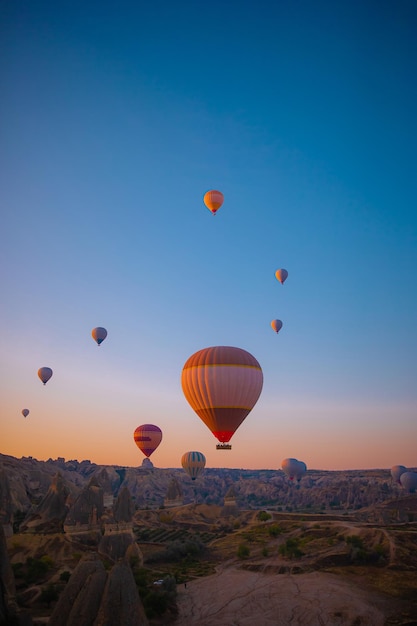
{"points": [[121, 603], [51, 512], [79, 603], [93, 597], [174, 496], [87, 508]]}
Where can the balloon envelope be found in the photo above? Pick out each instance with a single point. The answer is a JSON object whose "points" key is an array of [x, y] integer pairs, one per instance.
{"points": [[281, 275], [99, 334], [213, 200], [290, 467], [45, 374], [396, 471], [276, 325], [301, 470], [408, 480], [193, 463], [25, 412], [222, 384], [147, 438]]}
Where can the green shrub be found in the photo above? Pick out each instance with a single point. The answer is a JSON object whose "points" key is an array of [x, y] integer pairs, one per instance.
{"points": [[263, 516], [243, 551]]}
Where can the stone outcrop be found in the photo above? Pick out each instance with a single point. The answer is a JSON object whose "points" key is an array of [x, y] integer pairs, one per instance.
{"points": [[93, 597], [174, 495], [49, 516]]}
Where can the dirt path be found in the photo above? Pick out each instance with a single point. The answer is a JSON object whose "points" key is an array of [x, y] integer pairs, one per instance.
{"points": [[235, 597]]}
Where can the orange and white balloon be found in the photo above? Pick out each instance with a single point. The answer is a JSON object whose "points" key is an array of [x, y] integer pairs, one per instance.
{"points": [[213, 200]]}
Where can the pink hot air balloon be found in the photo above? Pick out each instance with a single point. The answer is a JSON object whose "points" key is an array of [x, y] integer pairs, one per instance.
{"points": [[45, 374], [276, 325], [281, 275], [147, 438]]}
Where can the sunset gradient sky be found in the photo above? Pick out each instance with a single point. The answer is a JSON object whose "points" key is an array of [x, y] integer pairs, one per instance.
{"points": [[116, 119]]}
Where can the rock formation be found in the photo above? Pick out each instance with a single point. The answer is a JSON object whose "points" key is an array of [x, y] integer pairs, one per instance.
{"points": [[174, 495], [49, 516], [93, 597]]}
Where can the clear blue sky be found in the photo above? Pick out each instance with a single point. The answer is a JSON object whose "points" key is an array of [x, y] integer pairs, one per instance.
{"points": [[116, 119]]}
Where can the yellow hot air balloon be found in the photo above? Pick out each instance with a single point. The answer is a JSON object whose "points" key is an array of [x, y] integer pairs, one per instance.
{"points": [[193, 463], [222, 384], [213, 200]]}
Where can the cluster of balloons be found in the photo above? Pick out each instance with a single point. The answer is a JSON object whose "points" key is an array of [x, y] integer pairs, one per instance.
{"points": [[45, 373], [281, 275], [293, 468], [405, 478]]}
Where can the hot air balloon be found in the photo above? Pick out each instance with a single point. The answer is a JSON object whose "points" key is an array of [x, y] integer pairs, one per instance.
{"points": [[193, 463], [408, 480], [99, 334], [222, 384], [213, 200], [396, 471], [45, 374], [281, 275], [301, 470], [147, 438], [25, 412], [290, 467], [276, 325]]}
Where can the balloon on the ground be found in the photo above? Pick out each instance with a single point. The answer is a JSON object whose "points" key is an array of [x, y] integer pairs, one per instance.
{"points": [[25, 412], [408, 480], [193, 463], [396, 471], [222, 385], [276, 325], [281, 275], [301, 470], [290, 467], [45, 374], [213, 200], [99, 334], [147, 438]]}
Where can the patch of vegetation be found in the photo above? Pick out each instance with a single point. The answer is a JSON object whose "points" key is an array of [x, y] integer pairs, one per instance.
{"points": [[290, 548], [33, 570], [263, 516], [49, 594], [243, 551], [158, 596]]}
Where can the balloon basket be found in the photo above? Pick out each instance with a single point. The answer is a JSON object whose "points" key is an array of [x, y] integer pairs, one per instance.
{"points": [[223, 446]]}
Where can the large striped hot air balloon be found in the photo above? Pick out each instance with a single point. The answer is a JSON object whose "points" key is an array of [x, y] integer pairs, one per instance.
{"points": [[147, 438], [222, 384], [193, 463], [213, 200]]}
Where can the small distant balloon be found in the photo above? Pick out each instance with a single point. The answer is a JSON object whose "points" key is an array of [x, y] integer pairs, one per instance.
{"points": [[408, 481], [276, 325], [281, 275], [147, 438], [45, 374], [396, 471], [193, 463], [25, 412], [99, 334], [291, 468], [213, 200]]}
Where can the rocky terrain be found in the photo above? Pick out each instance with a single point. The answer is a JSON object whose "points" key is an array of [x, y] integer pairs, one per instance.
{"points": [[84, 544]]}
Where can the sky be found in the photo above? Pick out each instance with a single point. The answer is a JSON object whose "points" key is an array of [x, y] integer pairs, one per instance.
{"points": [[116, 118]]}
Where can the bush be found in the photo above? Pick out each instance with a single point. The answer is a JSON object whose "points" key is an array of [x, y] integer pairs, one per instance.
{"points": [[243, 551], [290, 549], [274, 530], [65, 576], [49, 594], [263, 516]]}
